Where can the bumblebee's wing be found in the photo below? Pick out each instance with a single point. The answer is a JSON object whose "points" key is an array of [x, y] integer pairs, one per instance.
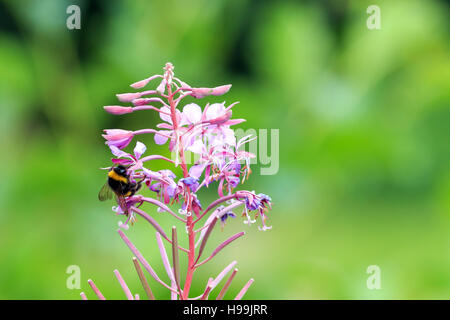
{"points": [[105, 193]]}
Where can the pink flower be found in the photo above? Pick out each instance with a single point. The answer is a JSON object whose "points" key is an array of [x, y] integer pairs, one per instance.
{"points": [[165, 186], [213, 123], [117, 137], [212, 114]]}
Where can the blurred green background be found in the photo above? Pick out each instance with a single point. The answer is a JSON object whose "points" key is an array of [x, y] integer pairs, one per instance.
{"points": [[364, 124]]}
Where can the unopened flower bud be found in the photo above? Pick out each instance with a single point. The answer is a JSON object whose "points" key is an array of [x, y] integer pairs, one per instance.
{"points": [[118, 110], [128, 97], [140, 84], [203, 92]]}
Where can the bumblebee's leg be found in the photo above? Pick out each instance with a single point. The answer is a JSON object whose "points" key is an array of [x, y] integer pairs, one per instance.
{"points": [[134, 187], [130, 190], [138, 186], [127, 189], [122, 188]]}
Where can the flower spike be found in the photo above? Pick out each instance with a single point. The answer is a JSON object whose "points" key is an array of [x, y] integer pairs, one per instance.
{"points": [[204, 130]]}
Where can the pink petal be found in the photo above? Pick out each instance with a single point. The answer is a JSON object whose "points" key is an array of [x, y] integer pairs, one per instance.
{"points": [[151, 174], [119, 143], [115, 134], [118, 153], [139, 149], [159, 139], [222, 119], [197, 147], [162, 87], [116, 137], [229, 137], [182, 119], [192, 112], [122, 161], [165, 117], [197, 170], [214, 111]]}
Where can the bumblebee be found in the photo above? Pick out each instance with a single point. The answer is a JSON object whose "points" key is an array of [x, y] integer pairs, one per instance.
{"points": [[118, 183]]}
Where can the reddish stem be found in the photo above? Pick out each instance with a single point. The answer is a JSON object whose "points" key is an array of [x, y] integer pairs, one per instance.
{"points": [[189, 220], [191, 257]]}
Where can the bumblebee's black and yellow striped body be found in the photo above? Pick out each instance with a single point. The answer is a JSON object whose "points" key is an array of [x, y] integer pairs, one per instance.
{"points": [[119, 184]]}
